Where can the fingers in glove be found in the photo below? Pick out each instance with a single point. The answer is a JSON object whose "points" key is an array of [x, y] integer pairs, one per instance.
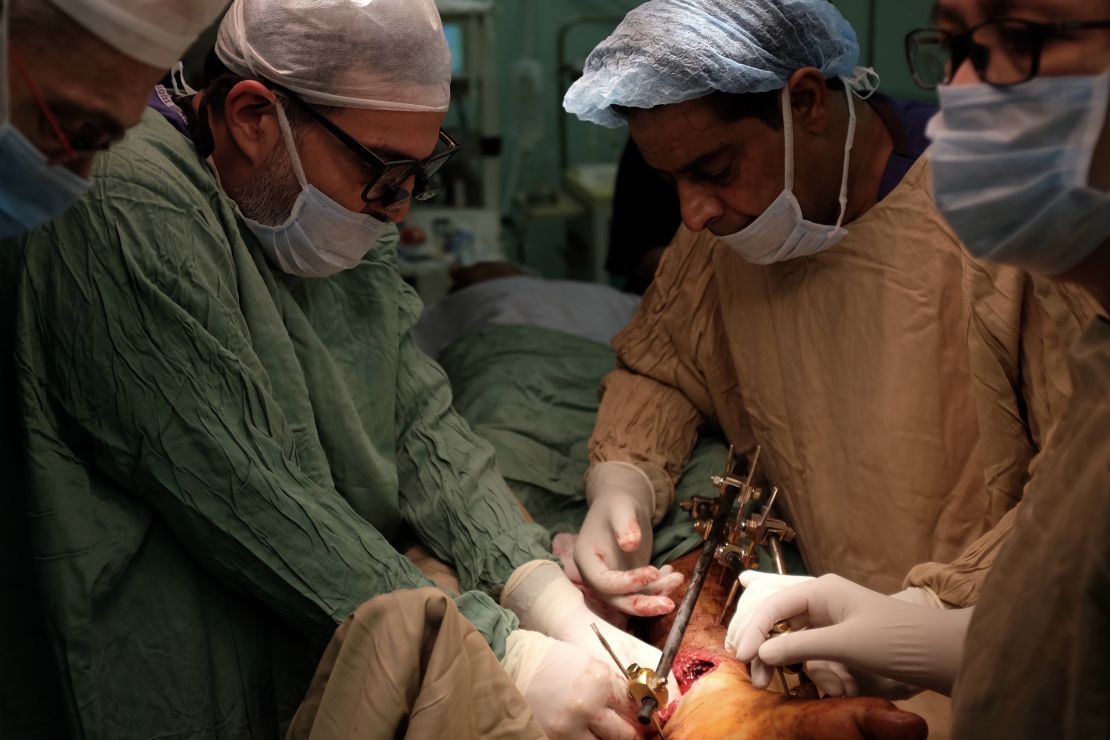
{"points": [[761, 673], [642, 605], [611, 726], [825, 643], [603, 579], [833, 679], [791, 604], [669, 579], [624, 521], [563, 544]]}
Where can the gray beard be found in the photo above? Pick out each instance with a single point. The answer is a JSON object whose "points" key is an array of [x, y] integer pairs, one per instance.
{"points": [[268, 197]]}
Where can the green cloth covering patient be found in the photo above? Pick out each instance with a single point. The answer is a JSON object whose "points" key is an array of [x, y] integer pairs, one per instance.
{"points": [[533, 393], [214, 463]]}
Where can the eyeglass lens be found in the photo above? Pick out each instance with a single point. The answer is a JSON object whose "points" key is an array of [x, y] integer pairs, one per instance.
{"points": [[392, 178], [1003, 52]]}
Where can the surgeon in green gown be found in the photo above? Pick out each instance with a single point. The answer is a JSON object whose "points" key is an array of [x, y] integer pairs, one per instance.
{"points": [[217, 433]]}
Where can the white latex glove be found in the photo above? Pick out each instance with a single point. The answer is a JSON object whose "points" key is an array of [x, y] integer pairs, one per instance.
{"points": [[832, 678], [613, 550], [838, 620], [571, 694], [545, 600]]}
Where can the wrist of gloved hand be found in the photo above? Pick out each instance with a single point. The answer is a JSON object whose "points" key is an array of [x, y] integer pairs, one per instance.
{"points": [[545, 600], [651, 485], [865, 630], [571, 693], [524, 649], [921, 596], [833, 678], [612, 478]]}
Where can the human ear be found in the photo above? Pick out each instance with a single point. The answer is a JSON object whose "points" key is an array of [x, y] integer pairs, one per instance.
{"points": [[809, 100], [250, 116]]}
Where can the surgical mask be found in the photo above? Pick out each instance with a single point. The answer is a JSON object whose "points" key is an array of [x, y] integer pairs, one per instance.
{"points": [[32, 191], [781, 232], [320, 237], [1011, 170]]}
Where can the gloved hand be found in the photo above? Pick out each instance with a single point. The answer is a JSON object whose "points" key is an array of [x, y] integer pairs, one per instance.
{"points": [[832, 678], [571, 694], [866, 631], [545, 600], [613, 550]]}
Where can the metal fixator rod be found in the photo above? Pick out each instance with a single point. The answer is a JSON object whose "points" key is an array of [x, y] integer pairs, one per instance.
{"points": [[714, 537]]}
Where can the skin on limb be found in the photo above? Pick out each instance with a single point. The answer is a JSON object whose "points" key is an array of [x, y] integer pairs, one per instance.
{"points": [[248, 134], [719, 701], [1080, 53], [722, 704], [95, 92], [727, 173]]}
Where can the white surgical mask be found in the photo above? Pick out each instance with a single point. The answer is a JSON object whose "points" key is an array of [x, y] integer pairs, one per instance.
{"points": [[32, 191], [781, 232], [320, 237], [1011, 170]]}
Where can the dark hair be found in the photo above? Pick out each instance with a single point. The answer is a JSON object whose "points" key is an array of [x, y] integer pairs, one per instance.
{"points": [[218, 81], [731, 107]]}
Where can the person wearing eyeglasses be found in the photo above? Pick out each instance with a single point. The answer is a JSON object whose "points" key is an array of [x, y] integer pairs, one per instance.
{"points": [[56, 113], [1021, 154], [814, 303], [223, 434]]}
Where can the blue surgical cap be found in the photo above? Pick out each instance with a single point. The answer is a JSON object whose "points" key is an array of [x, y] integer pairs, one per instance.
{"points": [[670, 51]]}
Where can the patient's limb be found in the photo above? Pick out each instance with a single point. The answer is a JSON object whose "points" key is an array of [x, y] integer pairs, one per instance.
{"points": [[724, 704], [730, 707]]}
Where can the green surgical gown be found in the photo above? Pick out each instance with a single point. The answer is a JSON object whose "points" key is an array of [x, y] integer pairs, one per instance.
{"points": [[210, 464]]}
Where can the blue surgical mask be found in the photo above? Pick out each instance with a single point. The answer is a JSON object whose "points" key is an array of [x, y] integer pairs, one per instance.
{"points": [[32, 191], [320, 237], [1011, 170]]}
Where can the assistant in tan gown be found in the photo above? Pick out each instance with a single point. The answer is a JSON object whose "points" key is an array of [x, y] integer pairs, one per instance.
{"points": [[1037, 661], [900, 390]]}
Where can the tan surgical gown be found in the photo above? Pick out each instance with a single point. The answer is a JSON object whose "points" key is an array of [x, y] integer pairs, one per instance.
{"points": [[1038, 649], [900, 390], [408, 664]]}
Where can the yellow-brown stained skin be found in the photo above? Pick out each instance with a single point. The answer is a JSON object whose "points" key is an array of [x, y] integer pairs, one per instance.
{"points": [[724, 704]]}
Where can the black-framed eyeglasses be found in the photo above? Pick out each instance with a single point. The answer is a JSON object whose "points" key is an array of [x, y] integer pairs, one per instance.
{"points": [[1003, 51], [386, 186]]}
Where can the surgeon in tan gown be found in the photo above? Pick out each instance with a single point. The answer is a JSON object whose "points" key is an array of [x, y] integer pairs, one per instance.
{"points": [[899, 388], [1036, 647]]}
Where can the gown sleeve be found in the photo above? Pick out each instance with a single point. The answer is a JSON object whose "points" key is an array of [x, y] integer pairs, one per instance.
{"points": [[1021, 329], [452, 493], [141, 345], [654, 404]]}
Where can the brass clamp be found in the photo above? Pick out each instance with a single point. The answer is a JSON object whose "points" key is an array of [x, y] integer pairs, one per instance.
{"points": [[795, 683], [642, 682]]}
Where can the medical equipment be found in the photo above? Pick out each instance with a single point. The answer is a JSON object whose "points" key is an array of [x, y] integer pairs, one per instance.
{"points": [[748, 530], [734, 548], [648, 688], [738, 553]]}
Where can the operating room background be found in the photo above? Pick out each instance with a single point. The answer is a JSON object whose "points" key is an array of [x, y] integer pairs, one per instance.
{"points": [[546, 224], [528, 50]]}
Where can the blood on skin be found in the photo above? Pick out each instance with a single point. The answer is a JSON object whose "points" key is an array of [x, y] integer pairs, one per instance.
{"points": [[641, 604], [688, 667]]}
